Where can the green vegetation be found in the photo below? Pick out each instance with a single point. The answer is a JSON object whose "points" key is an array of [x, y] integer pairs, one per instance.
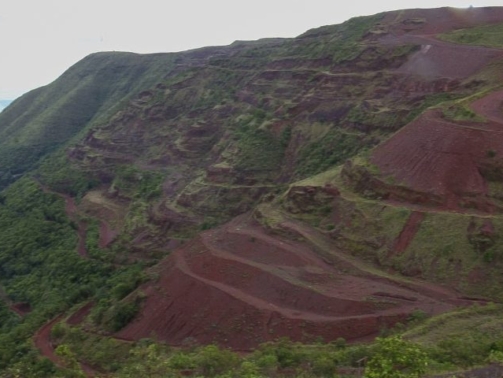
{"points": [[137, 184], [330, 149], [39, 265], [461, 112], [396, 358], [57, 174], [259, 149], [47, 118], [460, 339], [486, 35], [340, 42], [429, 101]]}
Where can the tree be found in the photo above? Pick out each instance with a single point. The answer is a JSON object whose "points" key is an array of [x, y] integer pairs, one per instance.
{"points": [[396, 358]]}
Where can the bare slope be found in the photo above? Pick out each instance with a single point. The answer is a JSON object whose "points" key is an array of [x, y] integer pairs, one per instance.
{"points": [[238, 286]]}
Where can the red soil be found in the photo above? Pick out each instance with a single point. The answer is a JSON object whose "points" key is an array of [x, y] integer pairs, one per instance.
{"points": [[78, 316], [443, 158], [42, 340], [21, 308], [408, 232], [442, 59], [441, 20], [238, 286], [437, 58], [107, 235]]}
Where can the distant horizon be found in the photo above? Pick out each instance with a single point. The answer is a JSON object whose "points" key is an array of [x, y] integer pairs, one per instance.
{"points": [[55, 34]]}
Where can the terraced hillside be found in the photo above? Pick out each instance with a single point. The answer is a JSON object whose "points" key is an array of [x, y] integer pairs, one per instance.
{"points": [[326, 186]]}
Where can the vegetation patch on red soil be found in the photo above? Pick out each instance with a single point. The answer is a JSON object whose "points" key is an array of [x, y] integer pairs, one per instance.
{"points": [[78, 316], [21, 308], [408, 232], [42, 340], [107, 235]]}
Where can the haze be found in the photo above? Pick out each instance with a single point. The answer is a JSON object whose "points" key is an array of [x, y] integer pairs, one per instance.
{"points": [[40, 40]]}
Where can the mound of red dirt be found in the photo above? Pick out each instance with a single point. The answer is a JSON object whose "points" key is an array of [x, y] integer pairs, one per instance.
{"points": [[440, 20], [440, 59], [21, 308], [238, 287], [446, 159]]}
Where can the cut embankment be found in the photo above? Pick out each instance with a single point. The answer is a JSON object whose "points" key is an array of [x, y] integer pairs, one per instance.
{"points": [[213, 291], [408, 232], [443, 159]]}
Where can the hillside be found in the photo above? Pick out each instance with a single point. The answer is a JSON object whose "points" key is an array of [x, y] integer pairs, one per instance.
{"points": [[327, 187]]}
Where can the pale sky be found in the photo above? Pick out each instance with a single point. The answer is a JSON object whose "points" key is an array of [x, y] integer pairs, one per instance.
{"points": [[40, 39]]}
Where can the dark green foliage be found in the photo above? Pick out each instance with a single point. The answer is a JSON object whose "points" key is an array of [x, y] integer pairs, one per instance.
{"points": [[92, 242], [45, 119], [39, 265], [121, 314], [63, 177], [137, 183], [114, 310], [396, 358], [259, 149], [213, 361], [333, 148], [8, 319], [38, 257]]}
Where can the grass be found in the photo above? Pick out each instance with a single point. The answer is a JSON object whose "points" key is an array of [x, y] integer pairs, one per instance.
{"points": [[445, 252], [487, 35], [462, 338]]}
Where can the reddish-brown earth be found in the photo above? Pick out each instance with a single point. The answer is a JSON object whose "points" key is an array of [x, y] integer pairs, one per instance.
{"points": [[78, 316], [238, 286], [43, 342], [446, 159], [107, 235], [440, 20], [21, 308], [408, 232]]}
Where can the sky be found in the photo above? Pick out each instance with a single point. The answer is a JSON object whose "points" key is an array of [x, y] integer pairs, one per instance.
{"points": [[39, 40]]}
